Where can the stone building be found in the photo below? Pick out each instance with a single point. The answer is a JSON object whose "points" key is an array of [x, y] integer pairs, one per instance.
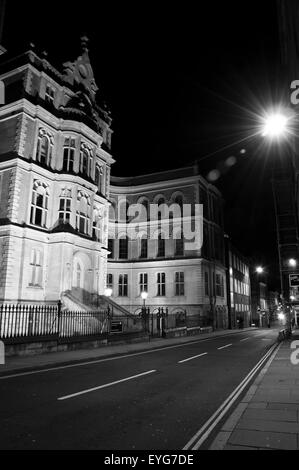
{"points": [[54, 179], [238, 286], [189, 280]]}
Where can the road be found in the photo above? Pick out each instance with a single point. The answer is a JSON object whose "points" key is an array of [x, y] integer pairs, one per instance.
{"points": [[151, 400]]}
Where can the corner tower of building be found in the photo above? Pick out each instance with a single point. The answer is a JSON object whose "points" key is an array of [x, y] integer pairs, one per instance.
{"points": [[55, 160]]}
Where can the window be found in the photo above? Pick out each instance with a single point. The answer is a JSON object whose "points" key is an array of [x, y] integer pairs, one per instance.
{"points": [[98, 177], [36, 268], [219, 285], [179, 283], [143, 286], [207, 290], [96, 224], [110, 281], [69, 148], [44, 147], [160, 204], [161, 246], [111, 248], [160, 284], [123, 248], [85, 164], [143, 247], [179, 245], [82, 215], [50, 94], [64, 210], [78, 275], [179, 201], [123, 285], [145, 210], [39, 204]]}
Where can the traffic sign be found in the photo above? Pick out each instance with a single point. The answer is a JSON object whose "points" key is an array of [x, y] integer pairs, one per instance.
{"points": [[294, 280]]}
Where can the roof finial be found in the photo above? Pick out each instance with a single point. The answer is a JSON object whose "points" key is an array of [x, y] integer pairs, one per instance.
{"points": [[84, 43]]}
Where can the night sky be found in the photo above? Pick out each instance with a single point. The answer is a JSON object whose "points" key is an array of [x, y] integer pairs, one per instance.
{"points": [[184, 82]]}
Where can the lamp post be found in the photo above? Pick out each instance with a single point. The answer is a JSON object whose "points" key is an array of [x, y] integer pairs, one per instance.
{"points": [[276, 126], [144, 295], [108, 293]]}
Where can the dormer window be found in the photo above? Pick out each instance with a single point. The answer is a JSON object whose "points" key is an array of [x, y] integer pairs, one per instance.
{"points": [[50, 94]]}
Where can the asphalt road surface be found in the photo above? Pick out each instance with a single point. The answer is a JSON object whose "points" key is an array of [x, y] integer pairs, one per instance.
{"points": [[150, 400]]}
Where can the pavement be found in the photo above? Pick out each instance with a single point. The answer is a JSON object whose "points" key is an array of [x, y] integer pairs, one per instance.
{"points": [[21, 363], [268, 415], [166, 394]]}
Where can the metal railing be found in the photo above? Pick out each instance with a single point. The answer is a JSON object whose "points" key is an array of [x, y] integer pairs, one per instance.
{"points": [[27, 321]]}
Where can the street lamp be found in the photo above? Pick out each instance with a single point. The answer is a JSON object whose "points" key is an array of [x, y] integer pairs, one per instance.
{"points": [[292, 262], [108, 292], [144, 295], [259, 269], [275, 125]]}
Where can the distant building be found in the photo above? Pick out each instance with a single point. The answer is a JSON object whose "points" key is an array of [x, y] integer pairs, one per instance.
{"points": [[188, 281], [259, 301], [237, 286], [54, 179]]}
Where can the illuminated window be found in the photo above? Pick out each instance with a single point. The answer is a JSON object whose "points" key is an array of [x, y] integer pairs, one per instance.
{"points": [[69, 148], [39, 204]]}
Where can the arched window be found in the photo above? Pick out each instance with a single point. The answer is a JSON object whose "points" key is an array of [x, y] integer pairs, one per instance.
{"points": [[39, 204], [85, 164], [111, 248], [98, 177], [78, 274], [36, 264], [44, 147], [96, 225], [161, 246], [160, 203], [69, 148], [123, 248], [143, 247], [83, 215], [145, 214], [179, 245]]}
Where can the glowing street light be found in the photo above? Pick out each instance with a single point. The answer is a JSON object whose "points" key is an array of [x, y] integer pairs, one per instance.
{"points": [[259, 269], [292, 297], [281, 316], [275, 125], [108, 292], [292, 262]]}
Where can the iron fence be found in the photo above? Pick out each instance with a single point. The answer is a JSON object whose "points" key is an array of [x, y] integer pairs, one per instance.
{"points": [[27, 321]]}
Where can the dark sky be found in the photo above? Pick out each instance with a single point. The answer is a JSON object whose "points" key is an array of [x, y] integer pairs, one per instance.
{"points": [[183, 81]]}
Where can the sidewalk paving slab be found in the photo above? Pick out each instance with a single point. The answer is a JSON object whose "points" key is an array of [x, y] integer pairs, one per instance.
{"points": [[267, 418]]}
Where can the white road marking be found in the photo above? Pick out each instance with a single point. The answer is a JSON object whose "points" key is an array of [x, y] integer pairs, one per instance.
{"points": [[105, 385], [197, 440], [244, 339], [114, 358], [226, 346], [193, 357]]}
